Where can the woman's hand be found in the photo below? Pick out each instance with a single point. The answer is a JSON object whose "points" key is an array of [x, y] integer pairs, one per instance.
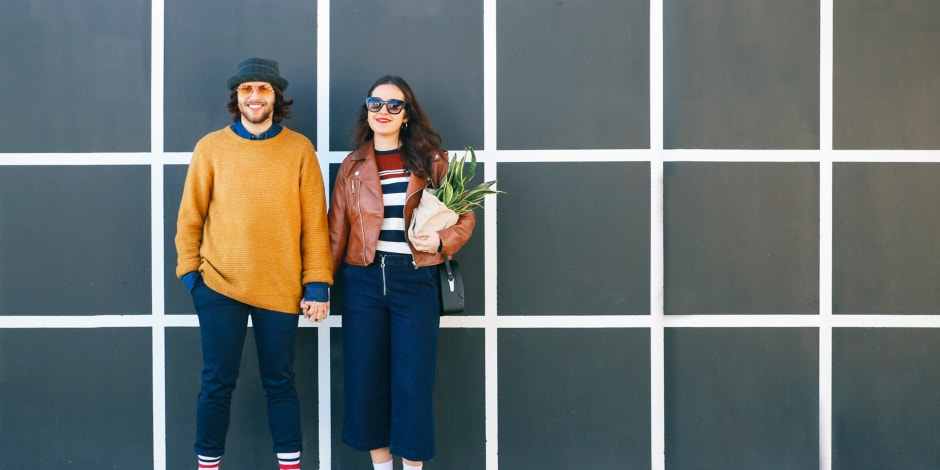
{"points": [[427, 242], [315, 311]]}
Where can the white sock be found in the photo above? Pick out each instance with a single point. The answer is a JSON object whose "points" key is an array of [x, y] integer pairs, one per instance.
{"points": [[384, 466]]}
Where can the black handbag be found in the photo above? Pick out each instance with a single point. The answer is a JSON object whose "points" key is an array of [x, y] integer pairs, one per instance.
{"points": [[452, 295]]}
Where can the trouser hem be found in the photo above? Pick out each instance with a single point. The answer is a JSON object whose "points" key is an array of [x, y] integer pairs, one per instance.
{"points": [[412, 455]]}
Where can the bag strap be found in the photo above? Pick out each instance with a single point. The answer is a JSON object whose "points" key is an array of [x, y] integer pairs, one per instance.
{"points": [[450, 273]]}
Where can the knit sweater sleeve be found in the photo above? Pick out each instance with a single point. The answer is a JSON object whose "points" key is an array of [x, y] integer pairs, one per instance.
{"points": [[315, 241], [194, 207]]}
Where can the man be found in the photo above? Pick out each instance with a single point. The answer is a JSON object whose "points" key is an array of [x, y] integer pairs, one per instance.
{"points": [[252, 241]]}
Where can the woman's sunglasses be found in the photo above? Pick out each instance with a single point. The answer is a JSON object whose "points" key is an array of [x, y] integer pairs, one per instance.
{"points": [[393, 106]]}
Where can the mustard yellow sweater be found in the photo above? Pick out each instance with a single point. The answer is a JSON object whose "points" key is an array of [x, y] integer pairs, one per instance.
{"points": [[252, 219]]}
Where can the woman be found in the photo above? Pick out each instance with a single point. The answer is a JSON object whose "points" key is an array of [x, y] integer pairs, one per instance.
{"points": [[391, 298]]}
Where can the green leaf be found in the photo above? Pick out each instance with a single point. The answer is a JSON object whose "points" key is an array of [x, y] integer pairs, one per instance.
{"points": [[454, 189]]}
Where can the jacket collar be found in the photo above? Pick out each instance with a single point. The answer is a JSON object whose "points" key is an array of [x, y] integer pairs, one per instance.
{"points": [[366, 153]]}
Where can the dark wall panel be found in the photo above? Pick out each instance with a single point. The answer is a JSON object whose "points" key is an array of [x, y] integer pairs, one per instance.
{"points": [[77, 74], [249, 445], [885, 63], [75, 240], [741, 238], [76, 398], [574, 398], [175, 296], [885, 256], [742, 398], [741, 75], [435, 45], [574, 238], [573, 74], [460, 400], [205, 40], [885, 386], [459, 406]]}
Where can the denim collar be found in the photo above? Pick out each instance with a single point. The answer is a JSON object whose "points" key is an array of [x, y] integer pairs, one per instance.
{"points": [[272, 131]]}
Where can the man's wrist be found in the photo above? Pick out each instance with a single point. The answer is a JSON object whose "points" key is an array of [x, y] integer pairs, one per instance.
{"points": [[317, 292]]}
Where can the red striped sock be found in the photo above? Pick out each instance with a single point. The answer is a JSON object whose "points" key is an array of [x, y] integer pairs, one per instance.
{"points": [[208, 463], [288, 460]]}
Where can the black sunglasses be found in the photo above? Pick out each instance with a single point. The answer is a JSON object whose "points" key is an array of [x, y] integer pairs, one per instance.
{"points": [[374, 105]]}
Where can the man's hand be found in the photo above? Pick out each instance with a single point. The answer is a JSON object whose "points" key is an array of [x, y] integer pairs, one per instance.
{"points": [[315, 311]]}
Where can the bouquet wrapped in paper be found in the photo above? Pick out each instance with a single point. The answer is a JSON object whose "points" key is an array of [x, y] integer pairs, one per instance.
{"points": [[440, 207]]}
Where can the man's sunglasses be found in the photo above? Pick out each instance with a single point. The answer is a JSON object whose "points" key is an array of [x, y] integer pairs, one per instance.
{"points": [[247, 90], [393, 106]]}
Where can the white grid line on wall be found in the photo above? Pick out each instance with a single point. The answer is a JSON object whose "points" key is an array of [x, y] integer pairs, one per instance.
{"points": [[490, 333], [158, 332], [656, 322], [324, 377], [657, 276], [825, 233]]}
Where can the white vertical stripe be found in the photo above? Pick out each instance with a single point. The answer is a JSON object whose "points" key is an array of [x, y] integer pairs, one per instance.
{"points": [[324, 382], [657, 308], [657, 321], [323, 90], [491, 356], [324, 386], [826, 48], [156, 239]]}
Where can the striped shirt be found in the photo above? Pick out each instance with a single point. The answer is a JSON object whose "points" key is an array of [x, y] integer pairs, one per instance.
{"points": [[394, 187]]}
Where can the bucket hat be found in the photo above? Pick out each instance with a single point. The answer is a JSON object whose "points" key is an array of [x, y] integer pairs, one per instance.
{"points": [[255, 69]]}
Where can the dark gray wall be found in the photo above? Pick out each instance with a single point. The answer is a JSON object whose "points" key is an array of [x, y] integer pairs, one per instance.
{"points": [[427, 42], [741, 238], [885, 217], [596, 262], [741, 74], [77, 398], [884, 66], [564, 86], [758, 387], [587, 401], [83, 188], [75, 240], [78, 76], [885, 380]]}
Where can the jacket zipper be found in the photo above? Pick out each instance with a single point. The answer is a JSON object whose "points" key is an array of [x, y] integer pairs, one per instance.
{"points": [[362, 228], [384, 290]]}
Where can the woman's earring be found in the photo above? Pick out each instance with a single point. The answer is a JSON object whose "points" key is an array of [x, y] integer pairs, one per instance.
{"points": [[404, 126]]}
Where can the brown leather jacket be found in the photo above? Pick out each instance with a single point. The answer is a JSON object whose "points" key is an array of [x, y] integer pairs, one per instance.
{"points": [[357, 209]]}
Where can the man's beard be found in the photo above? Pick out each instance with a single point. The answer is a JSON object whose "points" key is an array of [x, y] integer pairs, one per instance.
{"points": [[267, 111]]}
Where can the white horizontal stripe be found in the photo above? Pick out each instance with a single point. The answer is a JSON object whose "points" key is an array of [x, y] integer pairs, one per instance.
{"points": [[394, 199], [393, 247], [393, 223], [520, 321], [400, 179]]}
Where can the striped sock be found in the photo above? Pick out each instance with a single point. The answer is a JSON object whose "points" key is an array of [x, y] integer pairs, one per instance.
{"points": [[208, 463], [288, 460]]}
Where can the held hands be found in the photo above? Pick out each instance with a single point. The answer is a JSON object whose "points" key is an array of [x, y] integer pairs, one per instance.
{"points": [[315, 311], [428, 242]]}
